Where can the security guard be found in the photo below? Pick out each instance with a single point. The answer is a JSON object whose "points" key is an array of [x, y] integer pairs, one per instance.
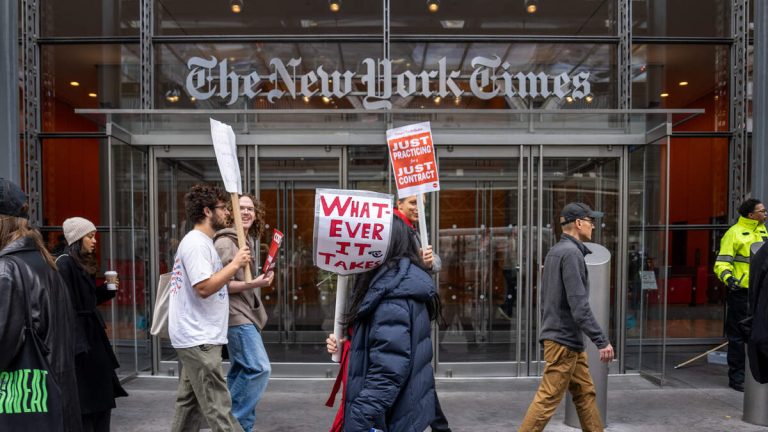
{"points": [[732, 267]]}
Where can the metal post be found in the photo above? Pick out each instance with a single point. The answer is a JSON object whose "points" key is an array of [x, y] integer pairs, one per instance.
{"points": [[760, 102], [755, 394], [599, 269], [738, 180], [9, 91]]}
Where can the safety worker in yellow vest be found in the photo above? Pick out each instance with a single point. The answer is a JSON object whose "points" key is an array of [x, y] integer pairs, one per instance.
{"points": [[732, 267]]}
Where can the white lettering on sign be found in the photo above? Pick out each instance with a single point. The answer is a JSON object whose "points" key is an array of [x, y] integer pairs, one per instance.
{"points": [[413, 159], [351, 230], [490, 78]]}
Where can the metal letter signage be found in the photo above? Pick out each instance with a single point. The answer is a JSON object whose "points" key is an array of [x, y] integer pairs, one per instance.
{"points": [[490, 78]]}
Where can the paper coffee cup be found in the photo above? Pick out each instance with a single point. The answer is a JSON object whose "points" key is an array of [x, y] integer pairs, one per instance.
{"points": [[111, 277]]}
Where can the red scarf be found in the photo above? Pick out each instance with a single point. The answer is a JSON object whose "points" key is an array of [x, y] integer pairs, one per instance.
{"points": [[341, 383], [400, 214]]}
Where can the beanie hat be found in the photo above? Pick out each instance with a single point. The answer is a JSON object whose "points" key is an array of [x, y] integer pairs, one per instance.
{"points": [[13, 202], [76, 228]]}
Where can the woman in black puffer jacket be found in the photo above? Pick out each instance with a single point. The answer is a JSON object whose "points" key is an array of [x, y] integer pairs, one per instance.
{"points": [[390, 381]]}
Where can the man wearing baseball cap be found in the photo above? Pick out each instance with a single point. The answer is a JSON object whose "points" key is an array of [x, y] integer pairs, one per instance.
{"points": [[565, 315]]}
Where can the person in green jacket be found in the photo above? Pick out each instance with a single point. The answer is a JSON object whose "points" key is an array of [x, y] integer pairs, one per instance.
{"points": [[732, 267]]}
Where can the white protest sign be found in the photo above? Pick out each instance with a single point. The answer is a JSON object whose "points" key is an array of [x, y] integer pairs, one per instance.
{"points": [[412, 155], [226, 155], [351, 230]]}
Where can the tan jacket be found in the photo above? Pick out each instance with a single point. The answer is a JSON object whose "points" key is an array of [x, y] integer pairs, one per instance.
{"points": [[244, 307]]}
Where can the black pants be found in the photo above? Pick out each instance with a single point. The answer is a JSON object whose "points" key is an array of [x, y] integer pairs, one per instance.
{"points": [[440, 424], [736, 311], [97, 422]]}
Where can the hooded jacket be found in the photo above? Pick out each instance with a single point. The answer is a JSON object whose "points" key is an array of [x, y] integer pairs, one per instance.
{"points": [[390, 382], [52, 318], [245, 307], [733, 258]]}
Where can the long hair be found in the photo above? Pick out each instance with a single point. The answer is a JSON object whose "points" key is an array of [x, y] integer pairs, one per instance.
{"points": [[402, 244], [13, 228], [85, 260], [259, 218]]}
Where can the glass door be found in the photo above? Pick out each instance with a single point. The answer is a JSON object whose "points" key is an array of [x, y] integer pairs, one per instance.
{"points": [[175, 170], [497, 217], [300, 304]]}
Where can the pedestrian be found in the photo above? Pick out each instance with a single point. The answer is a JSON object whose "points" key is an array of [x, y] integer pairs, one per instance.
{"points": [[25, 265], [97, 381], [565, 315], [732, 267], [249, 364], [198, 314], [390, 384], [407, 210]]}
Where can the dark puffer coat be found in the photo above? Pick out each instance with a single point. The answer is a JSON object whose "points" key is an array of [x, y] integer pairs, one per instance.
{"points": [[391, 384]]}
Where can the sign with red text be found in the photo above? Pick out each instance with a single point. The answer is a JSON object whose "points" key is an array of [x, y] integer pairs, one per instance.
{"points": [[269, 263], [413, 159], [352, 230]]}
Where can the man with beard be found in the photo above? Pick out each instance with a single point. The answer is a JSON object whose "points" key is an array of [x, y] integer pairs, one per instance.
{"points": [[198, 314]]}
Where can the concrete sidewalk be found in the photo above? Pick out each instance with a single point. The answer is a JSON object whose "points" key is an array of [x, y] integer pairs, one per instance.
{"points": [[488, 405]]}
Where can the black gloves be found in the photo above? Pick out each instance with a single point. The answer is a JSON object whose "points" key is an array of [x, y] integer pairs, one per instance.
{"points": [[733, 284]]}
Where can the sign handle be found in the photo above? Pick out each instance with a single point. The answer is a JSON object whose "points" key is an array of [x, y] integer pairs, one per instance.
{"points": [[239, 228], [341, 309], [422, 220]]}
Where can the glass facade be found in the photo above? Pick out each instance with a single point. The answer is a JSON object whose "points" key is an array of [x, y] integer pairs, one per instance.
{"points": [[504, 173]]}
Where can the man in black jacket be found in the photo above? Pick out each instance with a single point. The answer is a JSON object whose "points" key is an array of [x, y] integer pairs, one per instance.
{"points": [[32, 269], [565, 315]]}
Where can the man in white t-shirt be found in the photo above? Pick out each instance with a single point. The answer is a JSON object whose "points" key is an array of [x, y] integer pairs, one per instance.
{"points": [[198, 312]]}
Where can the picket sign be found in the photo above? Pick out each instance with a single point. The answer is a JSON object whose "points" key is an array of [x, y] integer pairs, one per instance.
{"points": [[412, 155], [351, 235], [226, 156]]}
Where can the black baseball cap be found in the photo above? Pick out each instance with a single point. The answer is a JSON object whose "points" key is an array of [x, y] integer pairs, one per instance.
{"points": [[577, 210], [13, 201]]}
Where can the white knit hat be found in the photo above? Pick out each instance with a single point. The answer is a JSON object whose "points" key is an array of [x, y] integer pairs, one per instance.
{"points": [[76, 228]]}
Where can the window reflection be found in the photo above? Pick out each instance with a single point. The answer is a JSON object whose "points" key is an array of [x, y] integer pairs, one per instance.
{"points": [[675, 18], [550, 17], [89, 17]]}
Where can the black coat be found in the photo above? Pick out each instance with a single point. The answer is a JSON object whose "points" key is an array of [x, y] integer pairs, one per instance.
{"points": [[52, 318], [97, 381], [757, 344], [390, 381]]}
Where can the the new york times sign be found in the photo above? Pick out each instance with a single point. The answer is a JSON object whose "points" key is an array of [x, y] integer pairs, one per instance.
{"points": [[209, 78]]}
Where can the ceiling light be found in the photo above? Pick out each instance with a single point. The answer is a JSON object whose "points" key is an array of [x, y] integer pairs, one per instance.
{"points": [[306, 99], [664, 94], [326, 99], [457, 100], [172, 96], [569, 99], [93, 95], [236, 6], [74, 84], [452, 24], [589, 99], [683, 83], [192, 98], [437, 100], [433, 5], [334, 5], [531, 6]]}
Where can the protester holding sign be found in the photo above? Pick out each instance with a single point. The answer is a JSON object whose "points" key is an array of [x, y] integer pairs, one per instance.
{"points": [[390, 382], [249, 371], [407, 210]]}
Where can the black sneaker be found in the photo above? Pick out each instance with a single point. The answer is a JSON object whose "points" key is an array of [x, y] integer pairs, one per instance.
{"points": [[736, 386]]}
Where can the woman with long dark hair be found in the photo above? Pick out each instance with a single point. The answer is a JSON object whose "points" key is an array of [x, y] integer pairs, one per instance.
{"points": [[97, 381], [29, 284], [390, 383]]}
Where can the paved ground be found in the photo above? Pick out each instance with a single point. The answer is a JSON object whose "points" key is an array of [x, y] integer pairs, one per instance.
{"points": [[693, 399]]}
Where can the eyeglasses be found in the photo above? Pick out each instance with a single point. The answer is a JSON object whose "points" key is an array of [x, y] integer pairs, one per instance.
{"points": [[221, 206], [247, 210], [761, 211]]}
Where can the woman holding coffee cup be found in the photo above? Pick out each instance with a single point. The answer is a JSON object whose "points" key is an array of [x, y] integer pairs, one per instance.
{"points": [[95, 361]]}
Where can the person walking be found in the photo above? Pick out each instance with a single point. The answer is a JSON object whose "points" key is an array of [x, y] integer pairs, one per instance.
{"points": [[565, 315], [390, 384], [97, 382], [732, 267], [25, 265], [249, 364], [198, 313]]}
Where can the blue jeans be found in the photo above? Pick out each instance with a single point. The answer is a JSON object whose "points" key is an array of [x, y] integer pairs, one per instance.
{"points": [[249, 372]]}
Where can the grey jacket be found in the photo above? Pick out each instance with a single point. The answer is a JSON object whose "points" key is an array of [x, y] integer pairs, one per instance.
{"points": [[245, 307], [565, 311]]}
